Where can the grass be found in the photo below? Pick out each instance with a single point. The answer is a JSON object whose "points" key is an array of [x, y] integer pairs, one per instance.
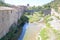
{"points": [[44, 34], [45, 31], [35, 17]]}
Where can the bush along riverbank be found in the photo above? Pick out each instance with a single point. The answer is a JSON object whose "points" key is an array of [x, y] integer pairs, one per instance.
{"points": [[15, 31], [49, 32], [35, 17]]}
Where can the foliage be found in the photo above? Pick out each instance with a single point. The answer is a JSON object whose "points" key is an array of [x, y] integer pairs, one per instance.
{"points": [[44, 34], [54, 4], [35, 17], [47, 18], [47, 6], [35, 8], [4, 4], [23, 19]]}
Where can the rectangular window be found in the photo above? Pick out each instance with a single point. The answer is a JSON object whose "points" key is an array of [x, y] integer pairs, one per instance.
{"points": [[2, 19], [11, 11]]}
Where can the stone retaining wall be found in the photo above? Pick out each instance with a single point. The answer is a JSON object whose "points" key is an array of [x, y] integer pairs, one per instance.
{"points": [[8, 16]]}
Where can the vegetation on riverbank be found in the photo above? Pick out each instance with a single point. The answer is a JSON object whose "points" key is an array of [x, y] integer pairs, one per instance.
{"points": [[35, 17], [4, 4], [49, 32]]}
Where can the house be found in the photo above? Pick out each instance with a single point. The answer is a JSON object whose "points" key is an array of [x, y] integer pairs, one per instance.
{"points": [[8, 16], [20, 9]]}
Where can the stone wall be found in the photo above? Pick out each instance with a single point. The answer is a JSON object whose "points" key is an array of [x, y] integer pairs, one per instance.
{"points": [[8, 16], [47, 11], [4, 22], [51, 12], [20, 10]]}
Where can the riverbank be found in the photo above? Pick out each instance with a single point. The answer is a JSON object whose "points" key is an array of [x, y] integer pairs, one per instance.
{"points": [[33, 30], [23, 31]]}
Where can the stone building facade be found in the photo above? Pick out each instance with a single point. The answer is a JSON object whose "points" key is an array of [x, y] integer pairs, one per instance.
{"points": [[8, 16], [20, 9]]}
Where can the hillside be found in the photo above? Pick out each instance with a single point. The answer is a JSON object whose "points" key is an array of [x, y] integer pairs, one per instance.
{"points": [[4, 4], [54, 4]]}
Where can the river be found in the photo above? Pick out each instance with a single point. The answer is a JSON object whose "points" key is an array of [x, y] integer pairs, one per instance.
{"points": [[23, 31]]}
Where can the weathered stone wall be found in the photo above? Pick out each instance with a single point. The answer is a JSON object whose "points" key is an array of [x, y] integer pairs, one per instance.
{"points": [[4, 22], [47, 11], [9, 16]]}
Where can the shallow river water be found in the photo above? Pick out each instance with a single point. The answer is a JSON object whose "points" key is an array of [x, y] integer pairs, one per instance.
{"points": [[23, 31]]}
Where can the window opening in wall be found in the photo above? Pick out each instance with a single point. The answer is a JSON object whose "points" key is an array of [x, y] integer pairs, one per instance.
{"points": [[2, 19], [2, 16], [11, 11]]}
